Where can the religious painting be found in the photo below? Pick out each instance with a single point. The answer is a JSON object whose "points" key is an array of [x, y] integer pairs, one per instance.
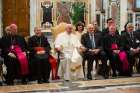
{"points": [[63, 12], [78, 12]]}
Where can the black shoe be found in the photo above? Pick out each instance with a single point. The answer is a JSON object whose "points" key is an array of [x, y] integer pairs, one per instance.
{"points": [[39, 82], [89, 77], [24, 81], [46, 81], [114, 75], [1, 84], [67, 80], [106, 76], [9, 83]]}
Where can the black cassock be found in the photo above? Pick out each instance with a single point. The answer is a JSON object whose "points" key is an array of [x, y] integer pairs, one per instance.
{"points": [[12, 64], [110, 43], [40, 66]]}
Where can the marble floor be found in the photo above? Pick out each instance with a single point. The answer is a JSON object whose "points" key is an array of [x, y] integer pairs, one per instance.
{"points": [[119, 85]]}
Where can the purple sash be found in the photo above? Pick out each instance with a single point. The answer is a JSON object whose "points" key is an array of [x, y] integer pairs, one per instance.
{"points": [[122, 57], [124, 60], [114, 46], [22, 58]]}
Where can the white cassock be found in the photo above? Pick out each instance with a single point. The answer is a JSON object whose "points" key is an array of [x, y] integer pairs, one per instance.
{"points": [[71, 65]]}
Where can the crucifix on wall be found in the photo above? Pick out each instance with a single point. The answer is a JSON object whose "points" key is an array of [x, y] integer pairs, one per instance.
{"points": [[47, 12]]}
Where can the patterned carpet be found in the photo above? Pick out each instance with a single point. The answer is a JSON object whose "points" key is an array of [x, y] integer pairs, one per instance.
{"points": [[94, 86]]}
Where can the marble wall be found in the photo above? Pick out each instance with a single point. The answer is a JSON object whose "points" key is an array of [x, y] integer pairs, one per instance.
{"points": [[123, 13], [0, 18], [35, 13]]}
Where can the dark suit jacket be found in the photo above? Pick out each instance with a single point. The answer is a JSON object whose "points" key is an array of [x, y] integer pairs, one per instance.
{"points": [[128, 42], [86, 42]]}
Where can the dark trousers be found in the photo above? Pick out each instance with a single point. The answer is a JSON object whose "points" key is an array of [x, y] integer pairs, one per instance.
{"points": [[132, 61], [115, 63], [104, 69], [13, 69], [90, 57], [43, 69], [138, 66]]}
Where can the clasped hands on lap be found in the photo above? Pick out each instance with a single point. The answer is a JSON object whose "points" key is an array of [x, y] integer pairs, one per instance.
{"points": [[95, 51]]}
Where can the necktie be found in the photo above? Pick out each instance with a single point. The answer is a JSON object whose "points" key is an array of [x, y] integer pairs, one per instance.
{"points": [[131, 36], [92, 41]]}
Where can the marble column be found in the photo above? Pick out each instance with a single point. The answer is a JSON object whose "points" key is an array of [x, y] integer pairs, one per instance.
{"points": [[1, 30], [123, 13], [93, 10], [33, 12], [106, 7]]}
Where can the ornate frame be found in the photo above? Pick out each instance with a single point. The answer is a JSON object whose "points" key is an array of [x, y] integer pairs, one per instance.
{"points": [[136, 5]]}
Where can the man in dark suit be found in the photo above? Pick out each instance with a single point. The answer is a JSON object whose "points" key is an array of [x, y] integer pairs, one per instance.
{"points": [[138, 34], [92, 42], [131, 44]]}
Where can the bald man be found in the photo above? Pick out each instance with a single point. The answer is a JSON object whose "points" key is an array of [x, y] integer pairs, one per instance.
{"points": [[94, 49], [65, 43], [39, 48]]}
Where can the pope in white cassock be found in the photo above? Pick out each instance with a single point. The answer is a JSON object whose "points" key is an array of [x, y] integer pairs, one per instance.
{"points": [[69, 45]]}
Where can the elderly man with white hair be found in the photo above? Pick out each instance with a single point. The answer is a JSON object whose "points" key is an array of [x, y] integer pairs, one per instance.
{"points": [[68, 45], [131, 44], [94, 49]]}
